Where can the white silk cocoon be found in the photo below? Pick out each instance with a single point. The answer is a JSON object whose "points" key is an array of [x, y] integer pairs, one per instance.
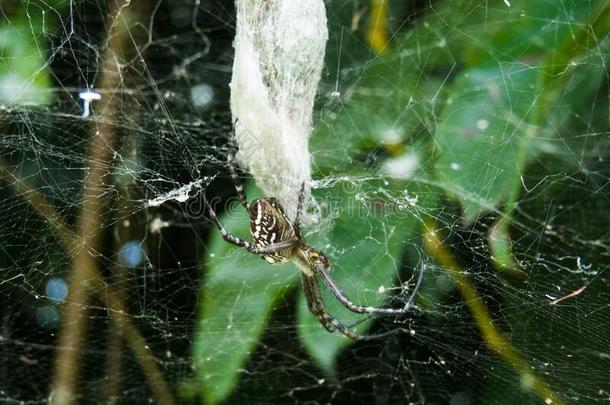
{"points": [[279, 54]]}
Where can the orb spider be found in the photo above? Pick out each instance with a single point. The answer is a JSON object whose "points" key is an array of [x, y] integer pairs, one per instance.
{"points": [[277, 241]]}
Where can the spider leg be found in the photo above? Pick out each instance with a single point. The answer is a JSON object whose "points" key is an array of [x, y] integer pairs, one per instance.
{"points": [[274, 247], [415, 291], [332, 286], [259, 250], [316, 306], [236, 180]]}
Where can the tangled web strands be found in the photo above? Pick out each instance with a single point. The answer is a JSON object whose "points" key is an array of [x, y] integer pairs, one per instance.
{"points": [[279, 52], [471, 137]]}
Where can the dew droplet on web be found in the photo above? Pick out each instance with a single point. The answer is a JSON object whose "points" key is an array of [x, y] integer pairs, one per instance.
{"points": [[47, 317], [202, 96], [56, 289], [482, 124], [131, 254]]}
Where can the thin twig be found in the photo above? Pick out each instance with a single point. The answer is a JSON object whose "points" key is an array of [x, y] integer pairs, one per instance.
{"points": [[570, 295]]}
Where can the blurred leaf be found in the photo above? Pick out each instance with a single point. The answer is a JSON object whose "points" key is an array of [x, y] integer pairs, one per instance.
{"points": [[377, 33], [506, 33], [470, 33], [483, 135], [571, 87], [365, 246], [24, 78], [385, 109], [346, 49], [572, 80], [500, 243], [236, 299], [583, 39]]}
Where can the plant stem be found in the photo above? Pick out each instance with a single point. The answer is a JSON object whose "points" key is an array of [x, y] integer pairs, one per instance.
{"points": [[493, 337]]}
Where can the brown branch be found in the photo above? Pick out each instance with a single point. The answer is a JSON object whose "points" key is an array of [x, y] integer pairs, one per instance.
{"points": [[39, 202], [74, 321], [114, 344], [120, 278], [80, 247], [114, 363], [106, 294], [137, 343]]}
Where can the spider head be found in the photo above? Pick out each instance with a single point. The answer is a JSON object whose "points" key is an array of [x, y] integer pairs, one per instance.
{"points": [[318, 259]]}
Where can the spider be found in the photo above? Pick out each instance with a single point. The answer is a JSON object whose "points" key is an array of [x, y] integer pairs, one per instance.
{"points": [[277, 241]]}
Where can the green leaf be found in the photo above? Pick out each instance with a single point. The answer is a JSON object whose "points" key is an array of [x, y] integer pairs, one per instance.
{"points": [[364, 243], [372, 222], [572, 85], [237, 297], [384, 109], [24, 78], [484, 133], [569, 93], [507, 33], [468, 33]]}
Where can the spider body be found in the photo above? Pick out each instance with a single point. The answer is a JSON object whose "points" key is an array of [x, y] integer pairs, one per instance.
{"points": [[277, 240], [268, 225]]}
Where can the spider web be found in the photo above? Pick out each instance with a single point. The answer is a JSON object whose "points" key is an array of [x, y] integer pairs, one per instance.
{"points": [[467, 137]]}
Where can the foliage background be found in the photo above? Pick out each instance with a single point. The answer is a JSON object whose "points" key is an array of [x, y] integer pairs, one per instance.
{"points": [[468, 136]]}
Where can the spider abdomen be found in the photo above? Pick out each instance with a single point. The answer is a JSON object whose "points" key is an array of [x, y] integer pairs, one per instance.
{"points": [[269, 225]]}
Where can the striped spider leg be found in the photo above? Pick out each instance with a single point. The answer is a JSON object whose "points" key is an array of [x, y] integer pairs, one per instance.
{"points": [[277, 240]]}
